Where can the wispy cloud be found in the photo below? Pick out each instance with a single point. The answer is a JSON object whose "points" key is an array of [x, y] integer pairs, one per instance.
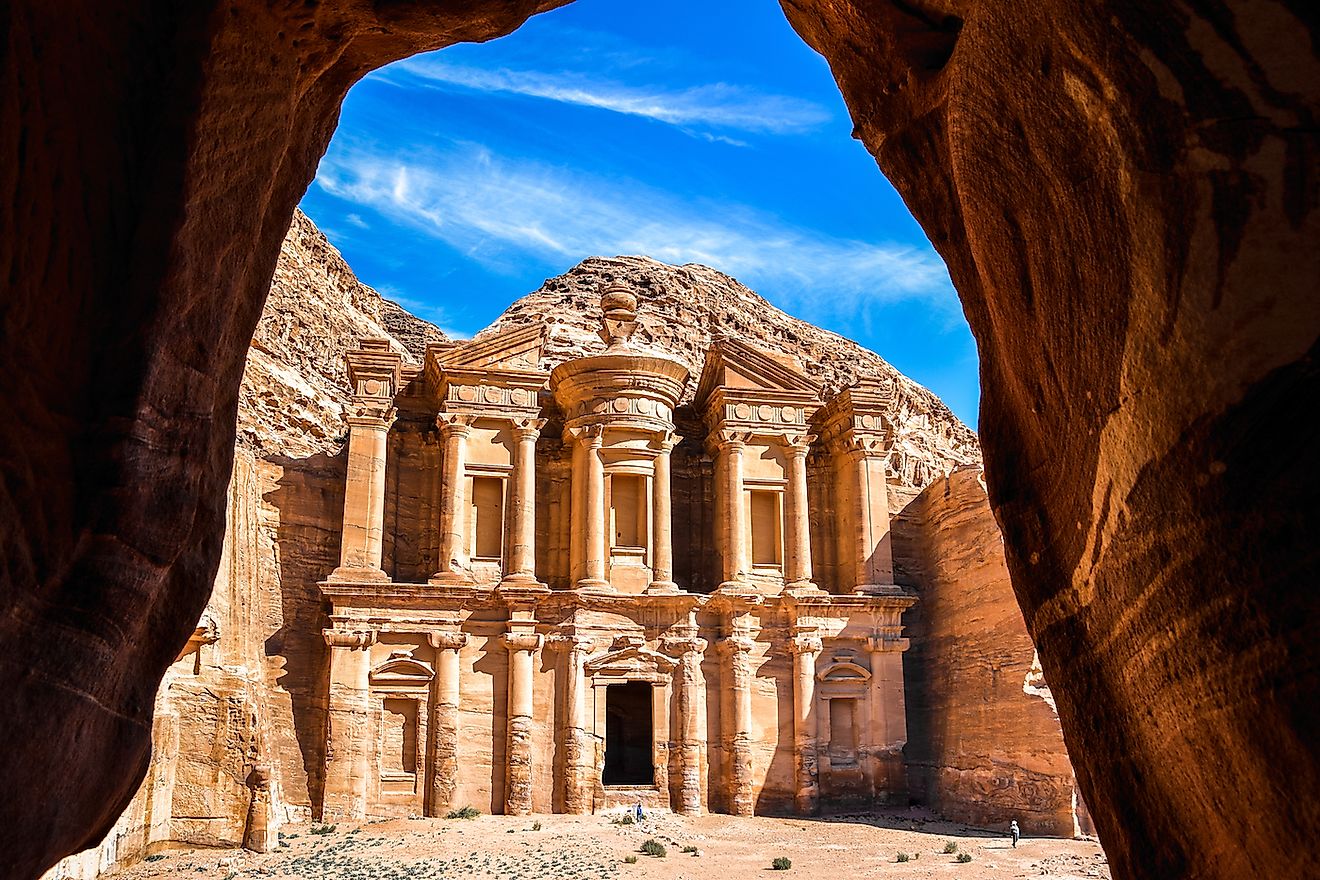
{"points": [[500, 212], [713, 105]]}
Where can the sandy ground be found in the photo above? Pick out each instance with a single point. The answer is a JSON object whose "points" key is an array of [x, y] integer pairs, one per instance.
{"points": [[594, 848]]}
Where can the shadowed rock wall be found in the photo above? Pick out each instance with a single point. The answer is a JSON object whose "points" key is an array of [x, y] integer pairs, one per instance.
{"points": [[1126, 198], [981, 748]]}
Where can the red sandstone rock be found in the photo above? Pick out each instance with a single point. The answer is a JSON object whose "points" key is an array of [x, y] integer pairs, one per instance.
{"points": [[1125, 196]]}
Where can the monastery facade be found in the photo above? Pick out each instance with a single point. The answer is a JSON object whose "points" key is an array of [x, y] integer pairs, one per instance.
{"points": [[566, 591]]}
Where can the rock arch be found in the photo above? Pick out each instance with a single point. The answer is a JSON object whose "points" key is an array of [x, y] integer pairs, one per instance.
{"points": [[1126, 197]]}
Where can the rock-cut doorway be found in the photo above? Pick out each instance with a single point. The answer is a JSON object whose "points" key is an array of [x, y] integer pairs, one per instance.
{"points": [[628, 734]]}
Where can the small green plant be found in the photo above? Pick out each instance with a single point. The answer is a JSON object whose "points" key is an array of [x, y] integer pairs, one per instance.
{"points": [[950, 847], [964, 858], [155, 857], [625, 819], [782, 863], [902, 857], [323, 829], [690, 849], [631, 860], [468, 812], [655, 848], [536, 826]]}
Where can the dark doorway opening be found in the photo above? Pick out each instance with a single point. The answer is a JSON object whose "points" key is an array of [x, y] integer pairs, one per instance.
{"points": [[628, 734]]}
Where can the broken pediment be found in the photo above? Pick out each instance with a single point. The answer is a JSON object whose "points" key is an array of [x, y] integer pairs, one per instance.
{"points": [[731, 363], [628, 657], [518, 349], [401, 669]]}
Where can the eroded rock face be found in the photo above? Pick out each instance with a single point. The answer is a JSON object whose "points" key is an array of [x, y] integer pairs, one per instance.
{"points": [[687, 306], [1124, 194], [984, 743], [1126, 199]]}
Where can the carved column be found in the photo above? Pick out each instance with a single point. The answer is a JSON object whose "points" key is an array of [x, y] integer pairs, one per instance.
{"points": [[348, 725], [692, 740], [869, 512], [520, 567], [362, 541], [589, 529], [797, 567], [578, 785], [888, 716], [455, 429], [805, 648], [739, 726], [444, 720], [730, 451], [518, 775], [662, 520]]}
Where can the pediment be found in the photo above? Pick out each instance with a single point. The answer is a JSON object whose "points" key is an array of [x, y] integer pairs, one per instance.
{"points": [[731, 363], [844, 671], [630, 660], [516, 349], [402, 669]]}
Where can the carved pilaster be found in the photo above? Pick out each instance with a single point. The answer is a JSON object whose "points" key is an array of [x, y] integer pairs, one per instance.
{"points": [[522, 648], [579, 750], [445, 701], [805, 648], [691, 686], [738, 733], [455, 428]]}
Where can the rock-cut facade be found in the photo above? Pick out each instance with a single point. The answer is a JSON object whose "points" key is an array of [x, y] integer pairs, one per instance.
{"points": [[569, 590]]}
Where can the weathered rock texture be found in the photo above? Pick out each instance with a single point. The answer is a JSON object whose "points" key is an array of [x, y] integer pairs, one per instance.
{"points": [[686, 306], [1125, 195], [249, 690], [984, 743]]}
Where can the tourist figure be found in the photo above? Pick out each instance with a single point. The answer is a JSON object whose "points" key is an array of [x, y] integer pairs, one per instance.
{"points": [[1015, 831], [639, 815]]}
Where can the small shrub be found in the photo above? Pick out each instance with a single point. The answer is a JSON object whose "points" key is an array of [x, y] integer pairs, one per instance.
{"points": [[468, 812], [536, 826], [782, 863], [155, 857], [964, 858], [631, 860], [324, 829], [625, 819], [950, 847], [690, 849], [295, 837], [655, 848], [902, 857]]}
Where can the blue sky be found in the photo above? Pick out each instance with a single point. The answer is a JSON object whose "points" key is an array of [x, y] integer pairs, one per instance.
{"points": [[691, 132]]}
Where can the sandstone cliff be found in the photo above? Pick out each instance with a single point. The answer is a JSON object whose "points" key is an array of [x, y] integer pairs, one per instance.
{"points": [[683, 307], [984, 741]]}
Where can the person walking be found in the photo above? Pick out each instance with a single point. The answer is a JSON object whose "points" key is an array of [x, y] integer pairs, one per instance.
{"points": [[1015, 831]]}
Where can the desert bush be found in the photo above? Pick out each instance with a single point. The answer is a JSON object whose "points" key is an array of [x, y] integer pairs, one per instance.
{"points": [[324, 829], [902, 857], [950, 847], [536, 826], [782, 863], [653, 847], [690, 849], [625, 819], [155, 857], [964, 858], [631, 860], [468, 812]]}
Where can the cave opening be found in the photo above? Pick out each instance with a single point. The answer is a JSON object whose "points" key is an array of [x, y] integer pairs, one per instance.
{"points": [[628, 730]]}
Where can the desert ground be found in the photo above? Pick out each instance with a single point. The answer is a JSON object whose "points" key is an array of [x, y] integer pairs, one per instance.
{"points": [[597, 848]]}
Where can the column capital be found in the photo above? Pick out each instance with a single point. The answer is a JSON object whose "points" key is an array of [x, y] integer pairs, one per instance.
{"points": [[678, 646], [370, 412], [569, 643], [527, 429], [864, 445], [735, 645], [523, 641], [887, 638], [805, 645], [590, 436], [733, 441], [666, 441], [797, 445], [447, 640], [454, 424], [338, 638]]}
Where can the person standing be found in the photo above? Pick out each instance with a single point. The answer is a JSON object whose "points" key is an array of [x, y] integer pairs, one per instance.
{"points": [[1015, 831]]}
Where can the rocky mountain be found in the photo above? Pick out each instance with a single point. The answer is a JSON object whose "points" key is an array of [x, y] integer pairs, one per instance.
{"points": [[681, 308], [295, 384]]}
